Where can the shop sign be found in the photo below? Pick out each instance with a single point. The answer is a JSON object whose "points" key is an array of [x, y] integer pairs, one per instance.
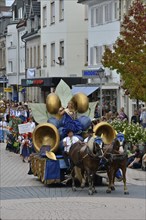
{"points": [[90, 73], [7, 89], [34, 82]]}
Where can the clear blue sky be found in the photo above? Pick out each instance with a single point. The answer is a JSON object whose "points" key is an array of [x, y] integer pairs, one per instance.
{"points": [[9, 2]]}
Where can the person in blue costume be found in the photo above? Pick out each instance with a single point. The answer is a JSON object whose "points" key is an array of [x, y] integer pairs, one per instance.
{"points": [[69, 119]]}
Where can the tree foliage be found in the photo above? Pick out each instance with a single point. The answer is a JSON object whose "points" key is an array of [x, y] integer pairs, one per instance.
{"points": [[128, 55]]}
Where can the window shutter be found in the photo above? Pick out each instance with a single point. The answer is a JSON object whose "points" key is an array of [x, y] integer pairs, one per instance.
{"points": [[92, 17], [99, 52], [91, 55]]}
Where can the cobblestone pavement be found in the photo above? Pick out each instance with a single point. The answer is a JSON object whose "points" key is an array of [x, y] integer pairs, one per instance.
{"points": [[25, 197]]}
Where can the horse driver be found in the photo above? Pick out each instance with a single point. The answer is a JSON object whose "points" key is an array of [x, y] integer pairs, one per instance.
{"points": [[90, 134], [67, 142]]}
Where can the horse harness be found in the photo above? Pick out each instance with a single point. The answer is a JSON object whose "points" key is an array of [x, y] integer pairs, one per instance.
{"points": [[87, 152], [114, 156]]}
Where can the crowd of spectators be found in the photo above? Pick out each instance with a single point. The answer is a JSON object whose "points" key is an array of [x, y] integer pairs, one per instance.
{"points": [[15, 114], [139, 116]]}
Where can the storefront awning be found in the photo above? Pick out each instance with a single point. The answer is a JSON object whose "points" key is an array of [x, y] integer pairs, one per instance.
{"points": [[84, 89]]}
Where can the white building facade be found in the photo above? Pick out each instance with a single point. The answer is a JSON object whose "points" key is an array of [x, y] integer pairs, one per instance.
{"points": [[63, 48], [16, 51], [11, 60], [15, 60], [105, 17], [63, 38]]}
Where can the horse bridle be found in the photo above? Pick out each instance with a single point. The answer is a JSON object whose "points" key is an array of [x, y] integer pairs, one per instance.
{"points": [[90, 154]]}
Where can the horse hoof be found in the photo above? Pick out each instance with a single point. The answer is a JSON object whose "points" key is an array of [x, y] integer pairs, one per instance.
{"points": [[95, 191], [108, 191], [90, 193], [126, 193], [112, 188], [74, 189], [82, 186]]}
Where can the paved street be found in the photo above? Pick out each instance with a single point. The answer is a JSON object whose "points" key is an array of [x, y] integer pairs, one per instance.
{"points": [[24, 197]]}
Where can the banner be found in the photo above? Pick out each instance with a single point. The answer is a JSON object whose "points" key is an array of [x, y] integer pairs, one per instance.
{"points": [[24, 128], [31, 73]]}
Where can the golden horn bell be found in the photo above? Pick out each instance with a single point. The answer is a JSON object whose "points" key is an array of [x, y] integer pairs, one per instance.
{"points": [[81, 102], [106, 131], [46, 134], [2, 106], [53, 103]]}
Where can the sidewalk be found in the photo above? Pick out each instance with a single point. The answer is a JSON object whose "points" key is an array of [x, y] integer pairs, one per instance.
{"points": [[13, 172]]}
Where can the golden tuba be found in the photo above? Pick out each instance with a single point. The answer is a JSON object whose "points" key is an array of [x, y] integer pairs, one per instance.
{"points": [[53, 103], [2, 106], [46, 134], [81, 102], [106, 131]]}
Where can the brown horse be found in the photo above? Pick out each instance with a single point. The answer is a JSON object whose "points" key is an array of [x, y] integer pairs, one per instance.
{"points": [[115, 160], [87, 157]]}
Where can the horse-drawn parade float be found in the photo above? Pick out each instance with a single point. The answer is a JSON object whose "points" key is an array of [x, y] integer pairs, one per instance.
{"points": [[62, 113], [85, 158]]}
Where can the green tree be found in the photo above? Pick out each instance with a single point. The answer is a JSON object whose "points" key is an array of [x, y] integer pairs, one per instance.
{"points": [[128, 55]]}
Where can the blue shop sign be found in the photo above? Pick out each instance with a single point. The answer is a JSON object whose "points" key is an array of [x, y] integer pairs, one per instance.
{"points": [[90, 73]]}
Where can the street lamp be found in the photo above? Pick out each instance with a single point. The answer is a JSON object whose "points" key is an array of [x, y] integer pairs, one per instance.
{"points": [[101, 74]]}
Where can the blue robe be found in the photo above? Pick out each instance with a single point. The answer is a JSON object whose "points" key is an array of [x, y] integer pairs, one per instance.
{"points": [[71, 124]]}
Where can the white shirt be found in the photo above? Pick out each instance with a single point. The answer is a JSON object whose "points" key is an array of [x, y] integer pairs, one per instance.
{"points": [[68, 142], [3, 125], [86, 140], [143, 117]]}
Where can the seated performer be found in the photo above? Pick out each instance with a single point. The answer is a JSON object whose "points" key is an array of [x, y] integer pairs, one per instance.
{"points": [[67, 142], [69, 120]]}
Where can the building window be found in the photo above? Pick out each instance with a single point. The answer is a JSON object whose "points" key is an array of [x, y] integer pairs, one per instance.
{"points": [[99, 15], [13, 15], [34, 56], [105, 13], [86, 52], [44, 55], [31, 57], [20, 14], [27, 58], [39, 56], [108, 12], [92, 17], [10, 66], [61, 9], [62, 50], [91, 55], [53, 54], [3, 56], [116, 10], [86, 12], [52, 12], [121, 10], [44, 16], [98, 54]]}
